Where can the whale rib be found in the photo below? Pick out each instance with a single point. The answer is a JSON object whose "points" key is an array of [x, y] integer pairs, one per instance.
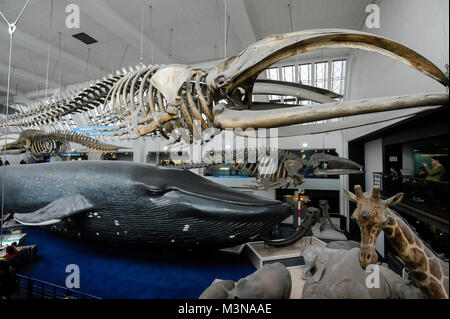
{"points": [[55, 211]]}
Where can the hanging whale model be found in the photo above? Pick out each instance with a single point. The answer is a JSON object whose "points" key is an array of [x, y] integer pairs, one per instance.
{"points": [[138, 204]]}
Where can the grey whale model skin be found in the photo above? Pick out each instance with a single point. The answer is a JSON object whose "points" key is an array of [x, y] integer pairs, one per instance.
{"points": [[139, 204]]}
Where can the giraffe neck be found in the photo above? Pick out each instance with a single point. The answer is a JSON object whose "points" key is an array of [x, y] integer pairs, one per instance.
{"points": [[429, 272]]}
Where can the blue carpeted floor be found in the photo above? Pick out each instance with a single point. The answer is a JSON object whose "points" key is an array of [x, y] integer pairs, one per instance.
{"points": [[112, 272]]}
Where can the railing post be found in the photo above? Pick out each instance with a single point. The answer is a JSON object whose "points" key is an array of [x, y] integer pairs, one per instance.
{"points": [[30, 288], [31, 294], [17, 285]]}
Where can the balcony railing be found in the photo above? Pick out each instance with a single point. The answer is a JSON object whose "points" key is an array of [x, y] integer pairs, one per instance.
{"points": [[37, 289]]}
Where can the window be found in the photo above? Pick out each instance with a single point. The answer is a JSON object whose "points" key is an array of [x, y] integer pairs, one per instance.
{"points": [[305, 74], [273, 74], [305, 78], [288, 75], [338, 76], [329, 75], [321, 75]]}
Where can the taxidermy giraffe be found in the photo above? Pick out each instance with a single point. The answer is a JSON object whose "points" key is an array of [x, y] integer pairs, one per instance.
{"points": [[373, 215]]}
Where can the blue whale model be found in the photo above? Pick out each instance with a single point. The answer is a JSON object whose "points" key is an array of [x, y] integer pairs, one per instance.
{"points": [[139, 204]]}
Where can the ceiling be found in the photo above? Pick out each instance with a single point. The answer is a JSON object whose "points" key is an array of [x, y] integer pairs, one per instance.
{"points": [[174, 31]]}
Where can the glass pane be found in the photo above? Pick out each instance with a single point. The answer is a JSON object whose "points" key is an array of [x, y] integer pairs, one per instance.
{"points": [[321, 75], [290, 100], [287, 73], [305, 74], [275, 98], [338, 78], [272, 74]]}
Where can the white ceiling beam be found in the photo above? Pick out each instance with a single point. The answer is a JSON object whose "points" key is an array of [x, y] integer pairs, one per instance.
{"points": [[101, 12], [28, 76], [40, 47], [241, 22]]}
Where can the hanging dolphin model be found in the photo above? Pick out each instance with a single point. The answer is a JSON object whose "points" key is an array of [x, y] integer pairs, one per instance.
{"points": [[139, 204]]}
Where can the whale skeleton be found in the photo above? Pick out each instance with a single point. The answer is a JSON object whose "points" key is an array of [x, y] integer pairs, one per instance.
{"points": [[176, 101], [38, 143], [278, 169]]}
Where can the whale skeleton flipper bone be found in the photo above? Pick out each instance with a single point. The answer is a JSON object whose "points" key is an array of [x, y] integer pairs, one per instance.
{"points": [[56, 211]]}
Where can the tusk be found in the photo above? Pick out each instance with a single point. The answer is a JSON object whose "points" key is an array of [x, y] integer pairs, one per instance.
{"points": [[226, 118]]}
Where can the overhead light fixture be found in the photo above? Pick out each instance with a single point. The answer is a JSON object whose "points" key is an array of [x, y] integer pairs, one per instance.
{"points": [[305, 144], [85, 38]]}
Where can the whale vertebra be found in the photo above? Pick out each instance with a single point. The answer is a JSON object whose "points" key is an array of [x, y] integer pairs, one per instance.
{"points": [[139, 204]]}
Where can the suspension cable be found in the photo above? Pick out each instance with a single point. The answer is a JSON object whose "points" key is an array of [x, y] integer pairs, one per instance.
{"points": [[151, 32], [170, 42], [11, 30], [48, 47], [293, 30], [225, 30], [142, 34], [59, 64]]}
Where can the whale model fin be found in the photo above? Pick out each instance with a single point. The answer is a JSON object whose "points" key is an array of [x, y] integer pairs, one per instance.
{"points": [[55, 211]]}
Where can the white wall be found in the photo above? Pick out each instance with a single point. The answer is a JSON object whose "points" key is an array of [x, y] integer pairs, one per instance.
{"points": [[372, 163], [419, 25], [407, 157]]}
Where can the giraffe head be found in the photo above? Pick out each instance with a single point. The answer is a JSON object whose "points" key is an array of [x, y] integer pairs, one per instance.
{"points": [[371, 216]]}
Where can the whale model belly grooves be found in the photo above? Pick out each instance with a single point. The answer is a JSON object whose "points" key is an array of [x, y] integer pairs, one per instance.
{"points": [[138, 204]]}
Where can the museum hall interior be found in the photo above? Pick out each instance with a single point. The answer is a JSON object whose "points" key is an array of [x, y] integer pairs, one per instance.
{"points": [[224, 149]]}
